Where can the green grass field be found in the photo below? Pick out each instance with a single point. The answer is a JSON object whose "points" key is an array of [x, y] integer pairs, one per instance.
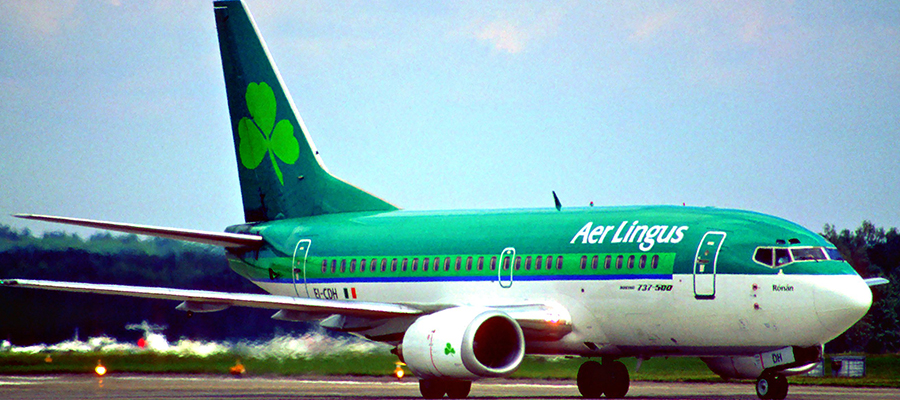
{"points": [[882, 370]]}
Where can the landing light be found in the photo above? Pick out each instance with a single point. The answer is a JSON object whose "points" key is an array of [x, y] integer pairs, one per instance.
{"points": [[398, 372], [238, 369], [100, 369]]}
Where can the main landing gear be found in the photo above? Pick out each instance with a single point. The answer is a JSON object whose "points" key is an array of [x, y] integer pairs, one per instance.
{"points": [[437, 388], [771, 385], [610, 378]]}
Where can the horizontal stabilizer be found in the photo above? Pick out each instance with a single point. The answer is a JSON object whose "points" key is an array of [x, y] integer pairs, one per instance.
{"points": [[876, 281], [221, 299], [223, 239]]}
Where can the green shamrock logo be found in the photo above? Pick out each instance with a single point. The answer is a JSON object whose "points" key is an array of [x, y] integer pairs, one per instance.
{"points": [[260, 135], [448, 350]]}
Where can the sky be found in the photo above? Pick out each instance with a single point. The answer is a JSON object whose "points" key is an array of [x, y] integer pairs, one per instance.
{"points": [[116, 110]]}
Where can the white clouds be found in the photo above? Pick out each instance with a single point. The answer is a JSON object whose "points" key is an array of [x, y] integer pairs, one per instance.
{"points": [[517, 30], [651, 25], [43, 17], [502, 36]]}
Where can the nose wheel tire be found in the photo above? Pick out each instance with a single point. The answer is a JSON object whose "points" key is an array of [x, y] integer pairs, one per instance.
{"points": [[610, 378], [771, 386], [437, 388]]}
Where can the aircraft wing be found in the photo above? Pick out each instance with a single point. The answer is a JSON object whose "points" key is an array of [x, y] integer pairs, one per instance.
{"points": [[538, 321], [223, 239], [203, 300]]}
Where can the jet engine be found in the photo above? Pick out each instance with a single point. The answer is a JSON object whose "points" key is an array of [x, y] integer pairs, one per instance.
{"points": [[463, 343]]}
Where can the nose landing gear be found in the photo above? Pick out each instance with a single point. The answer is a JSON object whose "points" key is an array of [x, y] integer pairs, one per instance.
{"points": [[437, 388], [770, 385]]}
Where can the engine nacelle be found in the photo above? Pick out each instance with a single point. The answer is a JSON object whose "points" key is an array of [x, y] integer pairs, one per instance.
{"points": [[463, 343]]}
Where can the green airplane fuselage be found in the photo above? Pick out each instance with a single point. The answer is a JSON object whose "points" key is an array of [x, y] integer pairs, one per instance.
{"points": [[670, 233]]}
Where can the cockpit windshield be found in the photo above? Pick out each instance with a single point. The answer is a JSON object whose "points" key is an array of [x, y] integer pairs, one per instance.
{"points": [[808, 254], [775, 257], [833, 253]]}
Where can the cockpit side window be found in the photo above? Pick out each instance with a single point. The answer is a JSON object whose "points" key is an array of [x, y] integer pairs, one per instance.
{"points": [[764, 255]]}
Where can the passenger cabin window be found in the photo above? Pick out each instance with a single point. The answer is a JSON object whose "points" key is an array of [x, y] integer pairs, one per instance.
{"points": [[447, 264], [583, 262], [415, 264], [549, 262], [458, 263], [468, 263], [537, 262], [630, 262], [619, 263], [643, 262], [559, 262], [383, 264], [594, 262], [362, 265], [394, 265], [481, 263], [654, 262], [493, 263], [324, 266], [518, 263], [528, 263], [424, 264], [343, 266], [403, 265], [607, 262], [353, 265], [333, 266]]}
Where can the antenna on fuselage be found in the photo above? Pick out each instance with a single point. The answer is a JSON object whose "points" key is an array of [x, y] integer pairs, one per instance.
{"points": [[556, 200]]}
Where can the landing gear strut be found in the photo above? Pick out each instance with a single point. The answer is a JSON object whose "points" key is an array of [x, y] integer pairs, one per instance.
{"points": [[770, 385], [610, 378], [437, 388]]}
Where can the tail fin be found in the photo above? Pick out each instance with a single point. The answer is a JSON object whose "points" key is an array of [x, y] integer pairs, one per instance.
{"points": [[280, 170]]}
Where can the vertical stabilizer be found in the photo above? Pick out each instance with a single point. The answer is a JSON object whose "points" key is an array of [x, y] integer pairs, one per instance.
{"points": [[280, 171]]}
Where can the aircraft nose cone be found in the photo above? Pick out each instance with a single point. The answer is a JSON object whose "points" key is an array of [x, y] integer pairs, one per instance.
{"points": [[840, 302]]}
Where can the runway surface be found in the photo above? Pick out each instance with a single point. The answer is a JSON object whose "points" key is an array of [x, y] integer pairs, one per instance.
{"points": [[189, 387]]}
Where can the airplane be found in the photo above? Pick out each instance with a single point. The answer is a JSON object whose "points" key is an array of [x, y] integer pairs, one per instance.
{"points": [[465, 295]]}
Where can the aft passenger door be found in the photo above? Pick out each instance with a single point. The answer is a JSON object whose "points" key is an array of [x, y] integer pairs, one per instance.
{"points": [[505, 267], [298, 270], [705, 265]]}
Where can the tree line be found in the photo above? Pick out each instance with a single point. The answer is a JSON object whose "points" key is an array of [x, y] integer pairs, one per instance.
{"points": [[38, 316], [873, 252], [29, 316]]}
